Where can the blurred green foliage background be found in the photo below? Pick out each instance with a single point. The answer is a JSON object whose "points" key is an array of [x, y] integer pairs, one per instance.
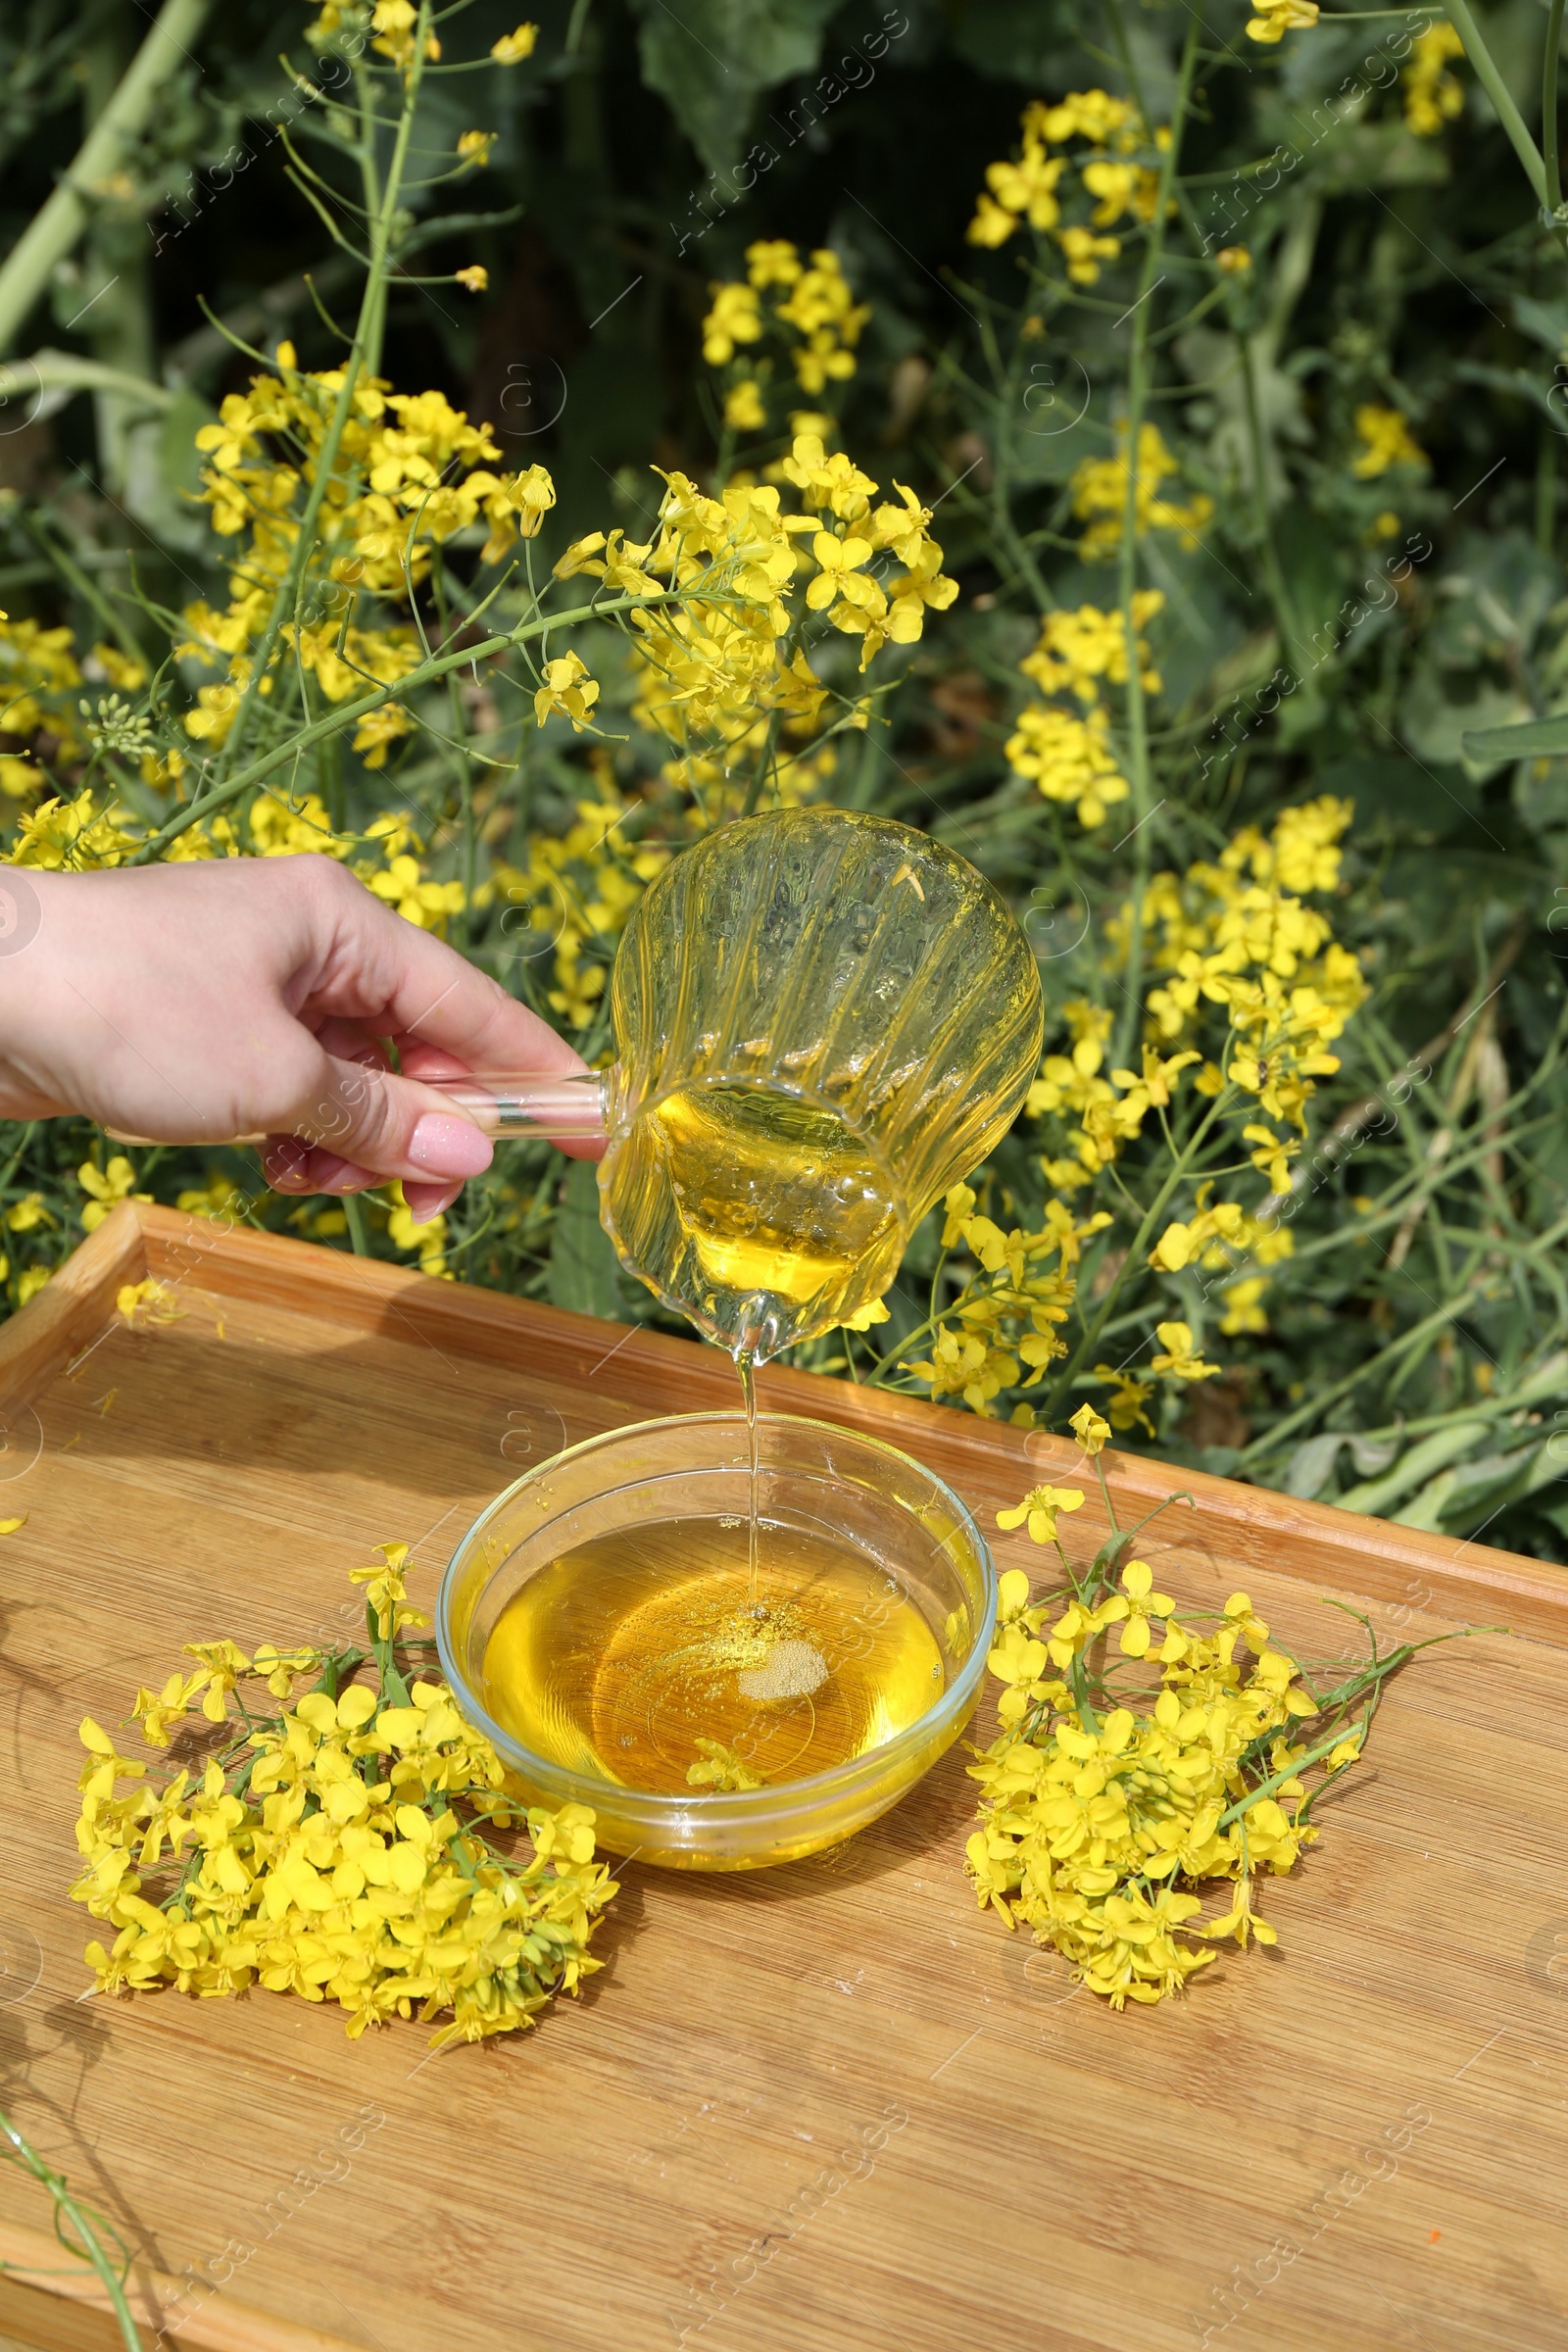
{"points": [[1410, 1355]]}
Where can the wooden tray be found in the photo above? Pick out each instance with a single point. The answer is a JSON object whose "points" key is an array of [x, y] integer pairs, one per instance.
{"points": [[832, 2108]]}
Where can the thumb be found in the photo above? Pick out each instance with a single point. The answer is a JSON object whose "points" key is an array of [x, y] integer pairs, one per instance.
{"points": [[390, 1126]]}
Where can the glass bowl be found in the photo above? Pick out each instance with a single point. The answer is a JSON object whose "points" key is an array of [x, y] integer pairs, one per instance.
{"points": [[903, 1524]]}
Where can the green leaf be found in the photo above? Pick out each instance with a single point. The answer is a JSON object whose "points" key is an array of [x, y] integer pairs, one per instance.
{"points": [[1029, 41], [1538, 737], [712, 60], [584, 1273], [1436, 728], [164, 474]]}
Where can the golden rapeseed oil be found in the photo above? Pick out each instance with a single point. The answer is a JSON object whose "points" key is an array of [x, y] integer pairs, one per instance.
{"points": [[627, 1651], [761, 1216]]}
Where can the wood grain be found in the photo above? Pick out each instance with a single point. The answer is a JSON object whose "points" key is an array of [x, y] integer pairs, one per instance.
{"points": [[832, 2108]]}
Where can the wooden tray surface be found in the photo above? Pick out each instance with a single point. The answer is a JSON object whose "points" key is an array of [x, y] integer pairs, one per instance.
{"points": [[830, 2108]]}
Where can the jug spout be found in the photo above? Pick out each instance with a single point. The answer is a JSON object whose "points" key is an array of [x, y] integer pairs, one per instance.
{"points": [[516, 1102]]}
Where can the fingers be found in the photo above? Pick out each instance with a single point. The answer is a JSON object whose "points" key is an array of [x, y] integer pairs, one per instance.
{"points": [[352, 1041], [361, 1123], [376, 977], [293, 1165], [428, 1200], [404, 982], [416, 1059]]}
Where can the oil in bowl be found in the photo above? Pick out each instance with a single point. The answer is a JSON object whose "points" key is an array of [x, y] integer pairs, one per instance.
{"points": [[629, 1651], [600, 1622]]}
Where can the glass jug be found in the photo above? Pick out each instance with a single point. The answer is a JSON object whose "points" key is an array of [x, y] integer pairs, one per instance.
{"points": [[823, 1019]]}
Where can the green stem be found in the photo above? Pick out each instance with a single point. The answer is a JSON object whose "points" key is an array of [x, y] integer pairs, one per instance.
{"points": [[1496, 89], [69, 371], [119, 320], [349, 715], [1077, 1674], [1002, 379], [1261, 524], [775, 719], [1138, 388], [363, 359], [87, 589], [1133, 1261], [1548, 107], [1314, 1755], [371, 324], [90, 2248], [55, 227], [1342, 1388]]}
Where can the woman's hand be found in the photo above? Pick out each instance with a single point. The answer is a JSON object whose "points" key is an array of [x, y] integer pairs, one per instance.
{"points": [[201, 1001]]}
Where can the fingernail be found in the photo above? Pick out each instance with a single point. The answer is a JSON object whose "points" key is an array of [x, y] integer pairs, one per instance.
{"points": [[428, 1200], [447, 1146]]}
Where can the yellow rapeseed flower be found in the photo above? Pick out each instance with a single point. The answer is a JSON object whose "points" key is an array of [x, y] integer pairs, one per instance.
{"points": [[1091, 1431], [1243, 1312], [1100, 495], [1432, 94], [1134, 1606], [1128, 1394], [514, 47], [1387, 440], [1275, 17], [1084, 252], [1181, 1359], [735, 317], [384, 1590], [106, 1188], [721, 1767], [569, 689], [1040, 1508], [744, 410]]}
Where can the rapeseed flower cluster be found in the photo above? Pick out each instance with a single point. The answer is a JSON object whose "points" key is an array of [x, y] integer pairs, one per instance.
{"points": [[39, 677], [1243, 966], [1432, 96], [1234, 934], [1110, 1805], [1068, 751], [788, 307], [1003, 1328], [717, 676], [578, 891], [1099, 496], [1112, 184], [85, 833], [1110, 1106], [1385, 440], [338, 1843], [408, 473]]}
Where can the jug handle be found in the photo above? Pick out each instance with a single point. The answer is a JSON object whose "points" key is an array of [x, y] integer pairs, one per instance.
{"points": [[502, 1102], [517, 1102]]}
